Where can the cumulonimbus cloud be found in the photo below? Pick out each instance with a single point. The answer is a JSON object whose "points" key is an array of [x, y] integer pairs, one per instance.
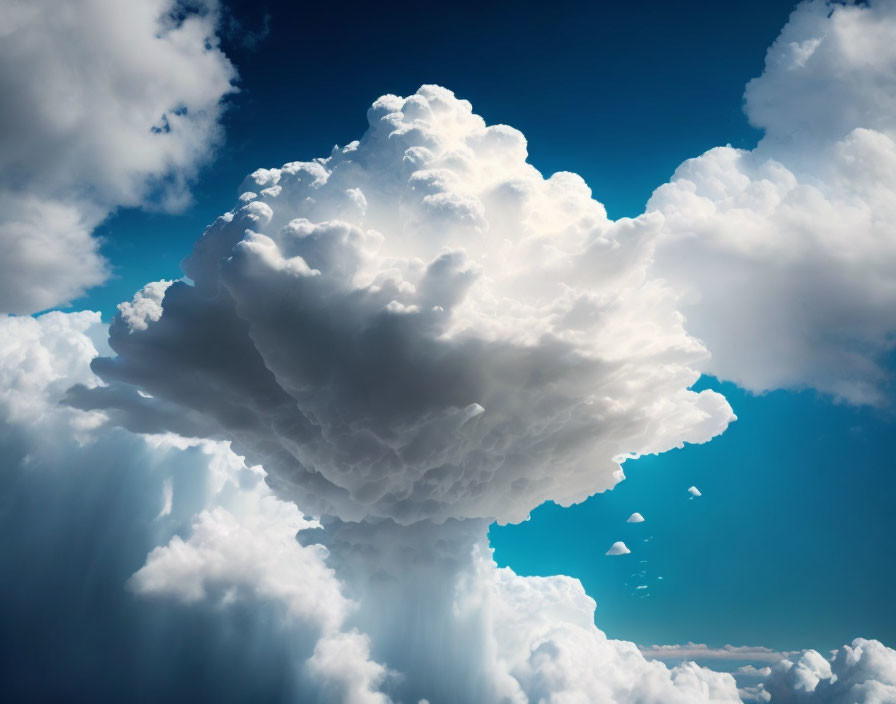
{"points": [[420, 327], [414, 336], [106, 104]]}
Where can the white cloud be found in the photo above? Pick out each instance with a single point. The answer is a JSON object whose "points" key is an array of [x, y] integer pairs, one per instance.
{"points": [[784, 256], [635, 518], [421, 330], [618, 548], [42, 357], [250, 545], [827, 47], [694, 491], [863, 672], [146, 306], [342, 660], [420, 326], [225, 539], [545, 632], [106, 104]]}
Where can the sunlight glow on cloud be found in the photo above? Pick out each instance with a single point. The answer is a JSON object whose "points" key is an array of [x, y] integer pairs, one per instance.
{"points": [[419, 326]]}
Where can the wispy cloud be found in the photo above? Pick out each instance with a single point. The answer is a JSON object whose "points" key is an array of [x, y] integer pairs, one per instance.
{"points": [[701, 651]]}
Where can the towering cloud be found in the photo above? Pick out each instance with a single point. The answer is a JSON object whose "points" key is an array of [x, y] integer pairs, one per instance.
{"points": [[419, 327], [785, 255], [106, 104], [414, 336]]}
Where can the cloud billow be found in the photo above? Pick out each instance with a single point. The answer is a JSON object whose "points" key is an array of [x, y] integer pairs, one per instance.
{"points": [[421, 327], [783, 256], [106, 105], [415, 335]]}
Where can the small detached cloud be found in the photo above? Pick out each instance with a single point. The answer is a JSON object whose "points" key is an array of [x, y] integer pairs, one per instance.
{"points": [[694, 491], [618, 548], [635, 518]]}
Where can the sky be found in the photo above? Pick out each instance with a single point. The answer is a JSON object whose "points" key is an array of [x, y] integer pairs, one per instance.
{"points": [[368, 449], [649, 84]]}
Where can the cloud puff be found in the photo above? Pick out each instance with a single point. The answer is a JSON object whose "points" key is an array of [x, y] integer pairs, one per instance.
{"points": [[861, 673], [618, 548], [694, 491], [106, 105], [419, 326], [864, 671], [146, 306], [784, 256], [635, 518], [545, 632], [42, 357]]}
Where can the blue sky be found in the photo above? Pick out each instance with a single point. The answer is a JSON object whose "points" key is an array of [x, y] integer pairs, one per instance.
{"points": [[422, 334], [794, 520]]}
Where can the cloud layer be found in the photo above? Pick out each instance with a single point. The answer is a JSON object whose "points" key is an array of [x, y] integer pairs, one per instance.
{"points": [[106, 105]]}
